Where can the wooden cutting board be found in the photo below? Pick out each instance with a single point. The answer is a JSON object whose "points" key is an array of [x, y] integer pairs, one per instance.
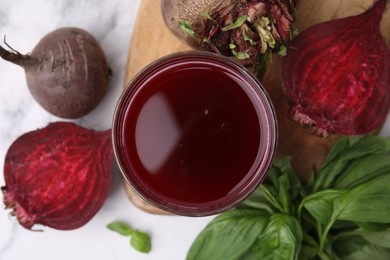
{"points": [[152, 40]]}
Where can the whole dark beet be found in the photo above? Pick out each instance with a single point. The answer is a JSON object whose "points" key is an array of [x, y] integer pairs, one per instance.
{"points": [[58, 176], [67, 72], [246, 29]]}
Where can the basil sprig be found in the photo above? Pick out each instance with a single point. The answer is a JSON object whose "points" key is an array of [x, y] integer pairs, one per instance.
{"points": [[342, 212], [139, 240]]}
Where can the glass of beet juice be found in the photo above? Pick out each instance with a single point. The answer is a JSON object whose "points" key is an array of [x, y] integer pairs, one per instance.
{"points": [[194, 133]]}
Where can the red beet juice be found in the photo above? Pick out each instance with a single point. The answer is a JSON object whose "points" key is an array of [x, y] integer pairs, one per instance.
{"points": [[194, 133]]}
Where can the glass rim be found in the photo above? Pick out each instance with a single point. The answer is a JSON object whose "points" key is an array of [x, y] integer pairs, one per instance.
{"points": [[268, 136]]}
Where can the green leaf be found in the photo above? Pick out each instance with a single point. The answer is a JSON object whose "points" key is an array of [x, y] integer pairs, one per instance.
{"points": [[369, 251], [277, 192], [120, 227], [368, 202], [284, 193], [283, 166], [345, 150], [141, 241], [320, 204], [379, 238], [270, 197], [307, 252], [281, 239], [309, 248], [257, 201], [186, 27], [358, 248], [229, 235], [363, 170], [345, 246], [342, 144], [239, 21], [373, 227]]}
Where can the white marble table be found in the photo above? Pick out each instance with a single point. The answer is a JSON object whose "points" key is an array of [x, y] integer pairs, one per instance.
{"points": [[24, 22], [111, 22]]}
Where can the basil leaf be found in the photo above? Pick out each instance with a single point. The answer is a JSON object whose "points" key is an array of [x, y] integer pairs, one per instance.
{"points": [[273, 179], [379, 238], [277, 192], [229, 235], [271, 197], [345, 151], [309, 248], [284, 193], [357, 248], [140, 241], [368, 202], [374, 227], [347, 245], [307, 252], [320, 204], [257, 201], [342, 144], [363, 170], [281, 239], [120, 228], [369, 251], [284, 167]]}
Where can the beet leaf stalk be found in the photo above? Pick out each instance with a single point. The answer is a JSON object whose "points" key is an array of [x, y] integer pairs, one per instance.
{"points": [[249, 30]]}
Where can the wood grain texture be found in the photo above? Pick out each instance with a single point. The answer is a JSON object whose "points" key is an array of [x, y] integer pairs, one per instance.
{"points": [[152, 40]]}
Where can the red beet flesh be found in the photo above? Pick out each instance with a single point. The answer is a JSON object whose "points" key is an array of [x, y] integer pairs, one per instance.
{"points": [[336, 74], [58, 176]]}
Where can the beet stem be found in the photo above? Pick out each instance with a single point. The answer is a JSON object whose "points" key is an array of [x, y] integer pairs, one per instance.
{"points": [[17, 58]]}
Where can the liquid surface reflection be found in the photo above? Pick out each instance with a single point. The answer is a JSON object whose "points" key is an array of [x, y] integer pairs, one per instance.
{"points": [[196, 134]]}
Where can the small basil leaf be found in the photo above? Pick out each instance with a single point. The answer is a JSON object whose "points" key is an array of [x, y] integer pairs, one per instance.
{"points": [[368, 202], [320, 204], [280, 168], [309, 247], [307, 252], [284, 166], [229, 235], [373, 227], [120, 227], [270, 195], [342, 154], [346, 245], [363, 170], [369, 251], [281, 239], [257, 201], [295, 183], [273, 179], [140, 241], [342, 144], [379, 238], [284, 193]]}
